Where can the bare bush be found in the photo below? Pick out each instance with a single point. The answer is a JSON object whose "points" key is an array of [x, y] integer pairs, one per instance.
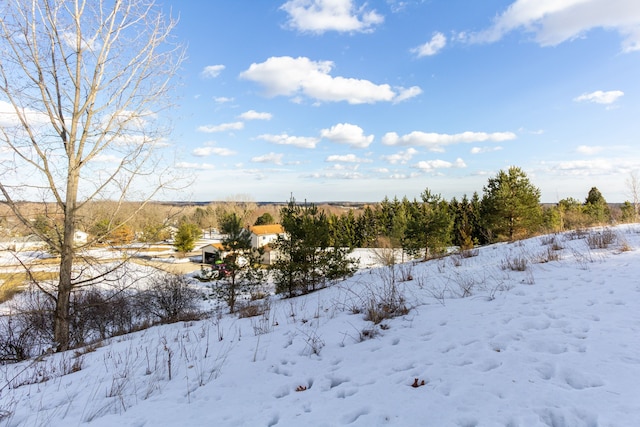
{"points": [[624, 245], [386, 301], [517, 263], [466, 286], [98, 314], [384, 256], [577, 234], [314, 343], [469, 253], [548, 239], [601, 239], [171, 299], [548, 256], [26, 331], [456, 260]]}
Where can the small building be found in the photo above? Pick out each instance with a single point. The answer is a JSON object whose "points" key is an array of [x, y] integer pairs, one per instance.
{"points": [[80, 237], [213, 252]]}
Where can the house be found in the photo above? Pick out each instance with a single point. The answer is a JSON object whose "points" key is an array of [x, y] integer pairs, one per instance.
{"points": [[262, 235], [80, 237]]}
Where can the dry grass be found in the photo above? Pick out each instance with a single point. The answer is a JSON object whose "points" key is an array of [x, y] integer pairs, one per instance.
{"points": [[13, 283]]}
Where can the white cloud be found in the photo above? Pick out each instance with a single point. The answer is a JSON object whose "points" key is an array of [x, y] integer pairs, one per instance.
{"points": [[347, 158], [433, 46], [480, 150], [401, 157], [195, 166], [332, 175], [585, 167], [212, 71], [318, 16], [268, 158], [589, 150], [296, 141], [8, 116], [345, 133], [431, 165], [222, 99], [107, 158], [295, 77], [556, 21], [207, 151], [254, 115], [221, 127], [406, 93], [600, 97], [70, 39], [437, 141]]}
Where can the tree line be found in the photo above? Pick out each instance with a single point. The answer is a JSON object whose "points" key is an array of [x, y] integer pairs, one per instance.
{"points": [[315, 251], [508, 209]]}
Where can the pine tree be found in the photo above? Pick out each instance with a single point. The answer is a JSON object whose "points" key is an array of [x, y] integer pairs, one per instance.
{"points": [[307, 260], [596, 207], [243, 271], [185, 239], [511, 205], [429, 226]]}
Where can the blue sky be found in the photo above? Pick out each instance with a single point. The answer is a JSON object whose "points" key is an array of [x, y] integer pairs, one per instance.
{"points": [[345, 100]]}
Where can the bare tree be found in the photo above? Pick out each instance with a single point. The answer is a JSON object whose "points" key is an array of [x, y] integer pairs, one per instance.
{"points": [[82, 83], [633, 185]]}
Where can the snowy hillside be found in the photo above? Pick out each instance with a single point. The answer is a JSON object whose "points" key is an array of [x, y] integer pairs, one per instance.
{"points": [[544, 332]]}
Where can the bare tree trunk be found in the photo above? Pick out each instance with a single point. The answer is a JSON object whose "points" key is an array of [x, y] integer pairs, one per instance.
{"points": [[633, 184], [82, 81]]}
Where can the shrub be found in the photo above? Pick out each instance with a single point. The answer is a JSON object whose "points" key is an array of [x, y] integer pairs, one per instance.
{"points": [[518, 263], [171, 299], [27, 331], [386, 301], [601, 239]]}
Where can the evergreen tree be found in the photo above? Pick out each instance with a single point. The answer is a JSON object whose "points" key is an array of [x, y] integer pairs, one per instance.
{"points": [[552, 219], [185, 239], [306, 258], [628, 212], [463, 223], [511, 205], [342, 230], [596, 207], [243, 271], [429, 226], [572, 214], [264, 219], [366, 228]]}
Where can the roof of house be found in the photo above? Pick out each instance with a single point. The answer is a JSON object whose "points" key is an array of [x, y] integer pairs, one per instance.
{"points": [[260, 230], [218, 246]]}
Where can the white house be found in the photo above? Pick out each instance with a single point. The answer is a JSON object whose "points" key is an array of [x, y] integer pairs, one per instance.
{"points": [[262, 235], [80, 237]]}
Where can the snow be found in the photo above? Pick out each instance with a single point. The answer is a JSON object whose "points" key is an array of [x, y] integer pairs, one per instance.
{"points": [[553, 345]]}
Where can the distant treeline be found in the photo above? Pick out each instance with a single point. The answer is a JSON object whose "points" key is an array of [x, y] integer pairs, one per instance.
{"points": [[508, 208]]}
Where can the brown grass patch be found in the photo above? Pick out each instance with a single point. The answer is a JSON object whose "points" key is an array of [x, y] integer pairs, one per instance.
{"points": [[13, 283]]}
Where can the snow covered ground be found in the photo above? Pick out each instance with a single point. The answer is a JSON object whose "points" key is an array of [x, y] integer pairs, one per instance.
{"points": [[554, 345]]}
